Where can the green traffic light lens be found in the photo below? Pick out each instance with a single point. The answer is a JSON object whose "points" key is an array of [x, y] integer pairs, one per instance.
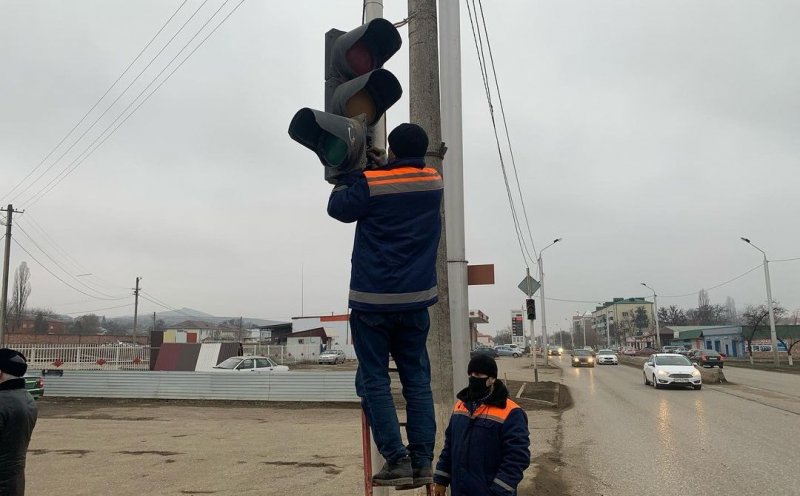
{"points": [[334, 150]]}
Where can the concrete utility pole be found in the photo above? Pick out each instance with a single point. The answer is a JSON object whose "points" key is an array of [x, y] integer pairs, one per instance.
{"points": [[773, 334], [135, 308], [425, 112], [6, 258], [655, 309]]}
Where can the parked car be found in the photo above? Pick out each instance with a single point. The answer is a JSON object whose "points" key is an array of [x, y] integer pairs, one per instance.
{"points": [[507, 350], [484, 350], [671, 349], [250, 364], [607, 357], [34, 383], [332, 356], [707, 358], [628, 350], [645, 352], [582, 357], [670, 369]]}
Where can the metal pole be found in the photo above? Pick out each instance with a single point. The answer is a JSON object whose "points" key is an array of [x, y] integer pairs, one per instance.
{"points": [[773, 334], [135, 308], [544, 320], [658, 332], [608, 331], [583, 318], [450, 78], [4, 306], [533, 352]]}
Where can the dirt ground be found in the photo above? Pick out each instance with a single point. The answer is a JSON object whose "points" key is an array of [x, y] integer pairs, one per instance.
{"points": [[119, 447]]}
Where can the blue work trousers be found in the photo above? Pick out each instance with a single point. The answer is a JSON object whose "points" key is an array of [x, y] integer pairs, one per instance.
{"points": [[376, 335]]}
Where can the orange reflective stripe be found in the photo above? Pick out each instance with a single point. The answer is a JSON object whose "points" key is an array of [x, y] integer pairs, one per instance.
{"points": [[487, 411], [373, 175]]}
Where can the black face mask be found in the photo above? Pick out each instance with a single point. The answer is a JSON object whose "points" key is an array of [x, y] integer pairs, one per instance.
{"points": [[478, 388]]}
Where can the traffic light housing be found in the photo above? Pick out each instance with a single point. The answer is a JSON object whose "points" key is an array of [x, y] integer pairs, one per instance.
{"points": [[357, 94], [530, 306]]}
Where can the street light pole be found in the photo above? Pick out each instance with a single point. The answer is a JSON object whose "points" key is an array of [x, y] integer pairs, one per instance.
{"points": [[773, 334], [541, 288], [655, 304]]}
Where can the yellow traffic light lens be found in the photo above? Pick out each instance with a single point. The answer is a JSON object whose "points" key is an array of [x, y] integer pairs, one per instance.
{"points": [[361, 103]]}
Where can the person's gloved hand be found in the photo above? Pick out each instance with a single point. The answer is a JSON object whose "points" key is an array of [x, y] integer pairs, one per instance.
{"points": [[377, 158], [439, 490]]}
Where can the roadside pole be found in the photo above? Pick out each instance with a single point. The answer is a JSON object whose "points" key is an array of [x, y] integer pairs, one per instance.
{"points": [[425, 112]]}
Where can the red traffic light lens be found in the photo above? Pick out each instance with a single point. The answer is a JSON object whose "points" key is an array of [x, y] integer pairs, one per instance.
{"points": [[359, 58]]}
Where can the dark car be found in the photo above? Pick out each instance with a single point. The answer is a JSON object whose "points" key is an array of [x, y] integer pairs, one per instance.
{"points": [[707, 358], [484, 350], [582, 358], [34, 383], [645, 352]]}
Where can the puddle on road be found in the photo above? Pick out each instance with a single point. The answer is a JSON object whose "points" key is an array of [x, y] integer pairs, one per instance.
{"points": [[79, 452]]}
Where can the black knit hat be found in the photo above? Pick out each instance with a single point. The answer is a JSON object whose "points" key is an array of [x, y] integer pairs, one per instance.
{"points": [[13, 362], [483, 364], [408, 141]]}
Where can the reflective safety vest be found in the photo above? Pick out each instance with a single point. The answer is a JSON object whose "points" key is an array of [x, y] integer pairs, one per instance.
{"points": [[396, 208]]}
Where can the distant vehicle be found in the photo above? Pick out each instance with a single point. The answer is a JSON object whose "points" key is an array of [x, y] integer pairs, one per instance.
{"points": [[670, 369], [484, 350], [34, 384], [507, 350], [707, 358], [581, 358], [645, 352], [553, 350], [332, 356], [629, 350], [250, 364], [671, 349], [607, 357]]}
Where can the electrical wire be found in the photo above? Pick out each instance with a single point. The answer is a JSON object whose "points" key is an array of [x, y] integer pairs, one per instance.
{"points": [[484, 74], [62, 280], [714, 287], [78, 161], [153, 59], [785, 260], [505, 126], [158, 302], [97, 102], [84, 312], [57, 264]]}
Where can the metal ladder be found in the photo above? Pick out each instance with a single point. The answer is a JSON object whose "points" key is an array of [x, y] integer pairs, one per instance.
{"points": [[366, 449]]}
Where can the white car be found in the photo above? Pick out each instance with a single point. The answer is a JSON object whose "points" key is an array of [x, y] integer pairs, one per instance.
{"points": [[250, 364], [607, 357], [670, 369]]}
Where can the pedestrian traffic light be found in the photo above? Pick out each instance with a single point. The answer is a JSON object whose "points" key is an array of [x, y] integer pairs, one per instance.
{"points": [[357, 94], [530, 306]]}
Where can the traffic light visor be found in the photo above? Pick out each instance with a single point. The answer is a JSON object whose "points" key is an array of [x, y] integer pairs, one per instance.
{"points": [[371, 94], [365, 48], [339, 142]]}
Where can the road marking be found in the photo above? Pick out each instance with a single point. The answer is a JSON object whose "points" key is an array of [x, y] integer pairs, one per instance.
{"points": [[720, 390]]}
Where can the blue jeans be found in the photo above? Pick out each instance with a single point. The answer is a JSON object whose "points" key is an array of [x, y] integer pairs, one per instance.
{"points": [[403, 335]]}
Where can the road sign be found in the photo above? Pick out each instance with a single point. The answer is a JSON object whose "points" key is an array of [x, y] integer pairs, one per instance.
{"points": [[529, 286]]}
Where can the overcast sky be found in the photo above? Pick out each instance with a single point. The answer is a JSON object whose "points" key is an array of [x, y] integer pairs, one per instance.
{"points": [[649, 135]]}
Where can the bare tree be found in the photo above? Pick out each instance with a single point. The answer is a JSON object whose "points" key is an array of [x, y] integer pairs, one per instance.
{"points": [[672, 315], [753, 317], [19, 298]]}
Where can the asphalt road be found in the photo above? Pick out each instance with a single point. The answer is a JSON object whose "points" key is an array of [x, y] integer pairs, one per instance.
{"points": [[624, 438]]}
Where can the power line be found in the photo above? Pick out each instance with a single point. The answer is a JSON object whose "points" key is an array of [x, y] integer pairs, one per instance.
{"points": [[476, 35], [98, 309], [153, 59], [785, 260], [58, 264], [716, 286], [96, 103], [505, 125], [62, 280], [66, 171]]}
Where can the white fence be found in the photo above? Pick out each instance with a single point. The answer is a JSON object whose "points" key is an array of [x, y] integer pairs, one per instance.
{"points": [[85, 356]]}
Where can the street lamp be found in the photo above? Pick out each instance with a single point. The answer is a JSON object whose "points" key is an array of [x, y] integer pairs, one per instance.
{"points": [[541, 288], [655, 304], [583, 321], [773, 334]]}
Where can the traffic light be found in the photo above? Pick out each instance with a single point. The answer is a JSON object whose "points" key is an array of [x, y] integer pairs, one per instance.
{"points": [[357, 94], [530, 306]]}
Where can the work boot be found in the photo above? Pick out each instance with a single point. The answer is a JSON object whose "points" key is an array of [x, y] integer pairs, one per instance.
{"points": [[398, 473], [422, 477]]}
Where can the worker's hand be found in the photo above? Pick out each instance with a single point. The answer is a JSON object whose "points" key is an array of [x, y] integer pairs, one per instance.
{"points": [[439, 490], [377, 157]]}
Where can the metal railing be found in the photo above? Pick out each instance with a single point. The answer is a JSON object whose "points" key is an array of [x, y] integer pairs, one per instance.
{"points": [[85, 356]]}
